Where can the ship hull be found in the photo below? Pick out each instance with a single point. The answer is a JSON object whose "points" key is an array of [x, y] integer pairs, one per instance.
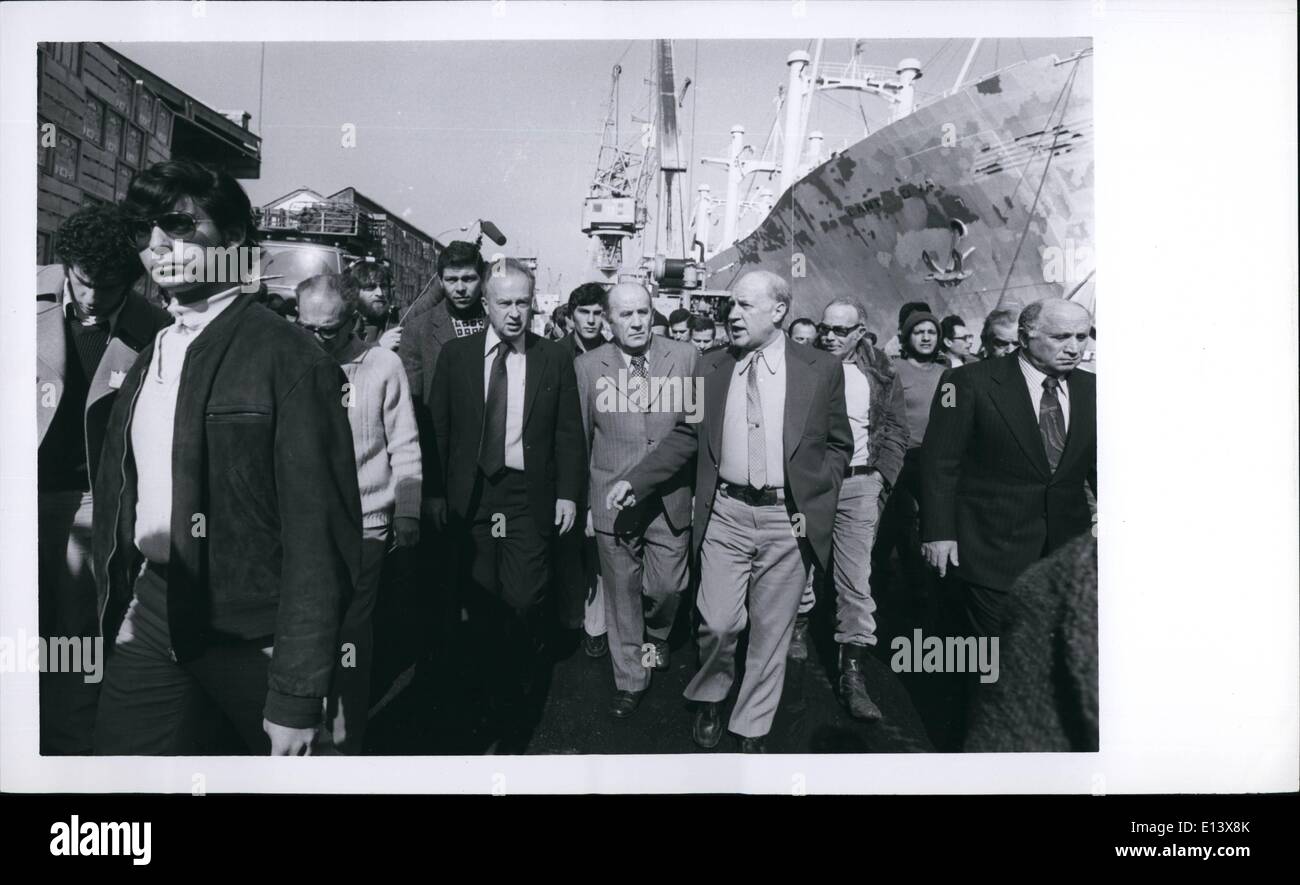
{"points": [[1000, 172]]}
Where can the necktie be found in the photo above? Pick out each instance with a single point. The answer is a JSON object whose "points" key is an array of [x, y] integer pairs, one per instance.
{"points": [[1051, 422], [492, 446], [639, 383], [754, 420]]}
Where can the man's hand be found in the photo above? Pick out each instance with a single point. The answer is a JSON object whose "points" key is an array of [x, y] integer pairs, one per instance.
{"points": [[620, 496], [591, 529], [286, 741], [566, 513], [391, 339], [436, 510], [406, 531], [939, 554]]}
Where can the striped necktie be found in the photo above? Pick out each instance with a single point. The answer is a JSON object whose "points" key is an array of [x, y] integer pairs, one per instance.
{"points": [[1051, 422]]}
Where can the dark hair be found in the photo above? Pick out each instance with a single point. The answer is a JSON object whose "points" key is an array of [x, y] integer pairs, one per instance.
{"points": [[369, 274], [909, 308], [658, 320], [681, 314], [586, 295], [870, 336], [156, 191], [699, 323], [948, 327], [560, 314], [459, 253], [802, 321], [96, 240]]}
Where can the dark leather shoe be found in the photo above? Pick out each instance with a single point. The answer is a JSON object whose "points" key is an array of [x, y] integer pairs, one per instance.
{"points": [[799, 640], [853, 685], [753, 745], [625, 703], [595, 646], [661, 654], [708, 725]]}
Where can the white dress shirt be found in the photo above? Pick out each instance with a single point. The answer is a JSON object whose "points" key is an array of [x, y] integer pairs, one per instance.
{"points": [[154, 419], [857, 397], [516, 366], [1034, 381], [734, 465]]}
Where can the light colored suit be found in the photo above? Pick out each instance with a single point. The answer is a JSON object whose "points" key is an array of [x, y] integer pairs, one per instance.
{"points": [[644, 550], [66, 587]]}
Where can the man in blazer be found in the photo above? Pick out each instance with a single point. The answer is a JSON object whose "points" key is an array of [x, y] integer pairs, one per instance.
{"points": [[770, 458], [511, 469], [1010, 443], [90, 326], [634, 390], [227, 525]]}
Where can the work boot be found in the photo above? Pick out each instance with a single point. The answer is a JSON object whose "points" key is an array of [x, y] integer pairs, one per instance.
{"points": [[853, 685], [799, 640]]}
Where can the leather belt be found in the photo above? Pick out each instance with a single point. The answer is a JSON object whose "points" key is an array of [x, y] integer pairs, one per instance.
{"points": [[858, 470], [752, 496]]}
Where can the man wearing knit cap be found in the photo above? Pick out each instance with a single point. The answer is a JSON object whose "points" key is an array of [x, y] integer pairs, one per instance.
{"points": [[386, 444]]}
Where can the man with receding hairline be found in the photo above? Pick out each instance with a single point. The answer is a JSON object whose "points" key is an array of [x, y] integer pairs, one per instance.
{"points": [[511, 467], [1010, 444], [770, 455]]}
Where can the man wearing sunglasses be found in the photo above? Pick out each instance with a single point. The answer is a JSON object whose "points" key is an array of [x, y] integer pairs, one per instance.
{"points": [[90, 326], [387, 449], [873, 396], [227, 525]]}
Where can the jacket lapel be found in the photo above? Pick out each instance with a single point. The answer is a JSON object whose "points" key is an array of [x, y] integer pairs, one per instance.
{"points": [[1011, 398], [716, 385], [662, 365], [51, 366], [132, 332], [534, 366], [1083, 413], [800, 386]]}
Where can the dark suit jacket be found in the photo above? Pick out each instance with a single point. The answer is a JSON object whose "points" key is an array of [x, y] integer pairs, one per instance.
{"points": [[555, 457], [423, 337], [618, 438], [817, 436], [985, 481], [133, 330], [263, 451]]}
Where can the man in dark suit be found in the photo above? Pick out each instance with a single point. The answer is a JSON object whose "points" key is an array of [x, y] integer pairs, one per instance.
{"points": [[770, 456], [456, 312], [1010, 444], [90, 326], [634, 390], [511, 469]]}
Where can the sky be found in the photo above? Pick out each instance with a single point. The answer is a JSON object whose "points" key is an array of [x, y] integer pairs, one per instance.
{"points": [[450, 132]]}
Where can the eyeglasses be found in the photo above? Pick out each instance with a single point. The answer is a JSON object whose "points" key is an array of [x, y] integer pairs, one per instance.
{"points": [[177, 225], [840, 331], [325, 333]]}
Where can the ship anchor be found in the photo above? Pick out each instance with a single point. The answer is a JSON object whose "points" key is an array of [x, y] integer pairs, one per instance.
{"points": [[954, 272]]}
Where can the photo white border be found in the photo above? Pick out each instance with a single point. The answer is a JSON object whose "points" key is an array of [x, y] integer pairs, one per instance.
{"points": [[1195, 114]]}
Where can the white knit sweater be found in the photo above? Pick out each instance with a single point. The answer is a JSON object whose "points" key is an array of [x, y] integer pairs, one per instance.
{"points": [[384, 436]]}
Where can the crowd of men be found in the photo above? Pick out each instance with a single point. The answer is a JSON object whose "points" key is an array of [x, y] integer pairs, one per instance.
{"points": [[220, 488]]}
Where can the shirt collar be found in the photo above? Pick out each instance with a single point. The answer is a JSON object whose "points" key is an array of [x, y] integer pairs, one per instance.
{"points": [[70, 310], [1034, 378], [773, 353], [493, 339], [196, 316], [627, 357]]}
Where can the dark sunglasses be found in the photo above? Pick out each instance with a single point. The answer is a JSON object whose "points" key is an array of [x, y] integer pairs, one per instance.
{"points": [[840, 331], [177, 225], [327, 332]]}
